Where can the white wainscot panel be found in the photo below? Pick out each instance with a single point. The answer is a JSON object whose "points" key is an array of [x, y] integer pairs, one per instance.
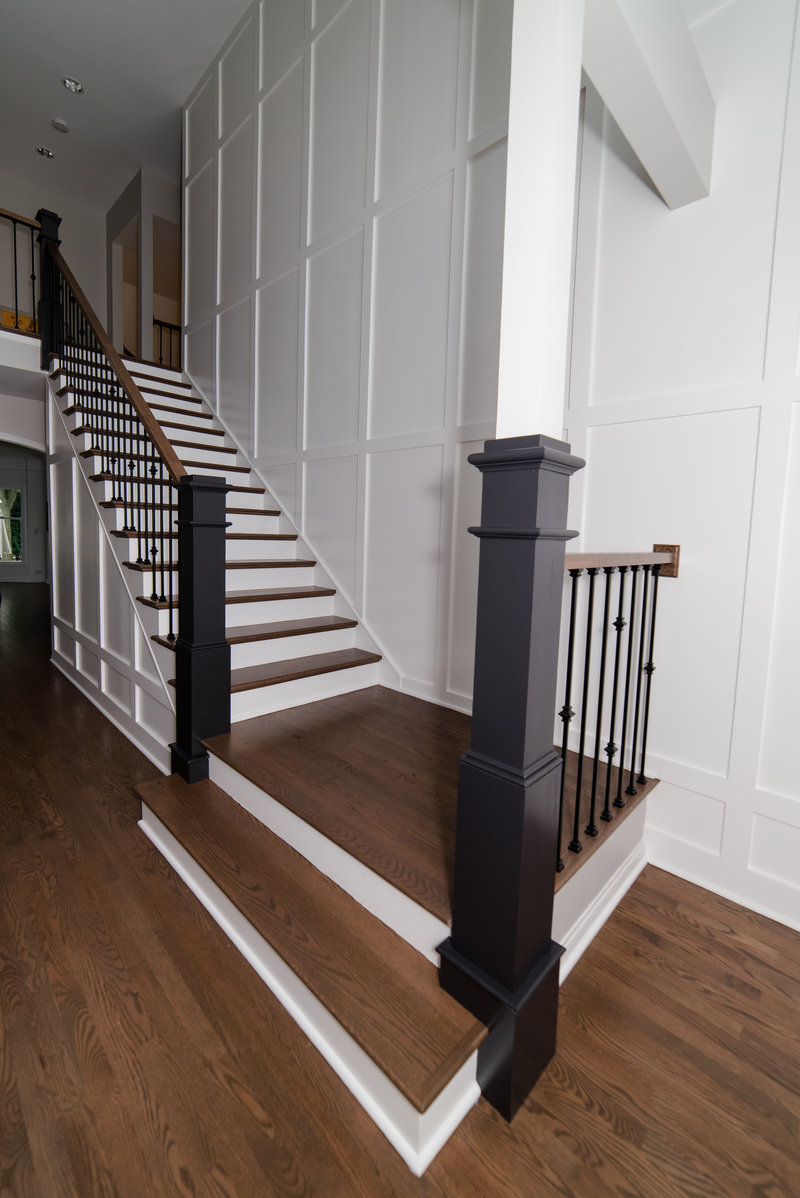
{"points": [[63, 540], [659, 480], [333, 349], [282, 482], [280, 173], [236, 203], [329, 516], [491, 64], [64, 645], [156, 718], [237, 80], [464, 579], [278, 320], [200, 360], [778, 763], [340, 86], [682, 297], [323, 10], [695, 819], [88, 663], [144, 657], [201, 126], [483, 276], [282, 37], [86, 547], [117, 687], [775, 849], [410, 313], [404, 498], [116, 605], [234, 388], [418, 86], [200, 246]]}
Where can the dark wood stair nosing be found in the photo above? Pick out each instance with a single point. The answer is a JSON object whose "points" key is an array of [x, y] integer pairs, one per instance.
{"points": [[246, 634], [295, 668], [258, 595]]}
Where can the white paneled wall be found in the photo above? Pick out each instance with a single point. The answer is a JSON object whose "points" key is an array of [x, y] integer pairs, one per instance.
{"points": [[98, 641], [684, 400], [344, 195]]}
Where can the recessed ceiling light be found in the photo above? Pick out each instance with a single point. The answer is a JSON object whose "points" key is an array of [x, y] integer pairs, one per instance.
{"points": [[45, 153], [59, 125], [72, 85]]}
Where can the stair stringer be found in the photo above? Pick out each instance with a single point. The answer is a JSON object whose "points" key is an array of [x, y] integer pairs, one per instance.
{"points": [[390, 672], [134, 718]]}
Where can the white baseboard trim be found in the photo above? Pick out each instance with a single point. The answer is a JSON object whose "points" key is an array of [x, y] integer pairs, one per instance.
{"points": [[418, 927], [584, 903], [416, 1137]]}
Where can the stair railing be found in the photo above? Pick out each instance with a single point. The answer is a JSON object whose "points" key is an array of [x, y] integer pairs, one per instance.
{"points": [[19, 254], [613, 694], [177, 520], [168, 338]]}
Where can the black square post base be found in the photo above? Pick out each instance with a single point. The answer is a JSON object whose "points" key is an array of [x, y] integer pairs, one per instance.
{"points": [[192, 768], [522, 1023]]}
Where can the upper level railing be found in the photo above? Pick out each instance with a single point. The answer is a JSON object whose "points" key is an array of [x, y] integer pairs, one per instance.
{"points": [[177, 520], [613, 688], [167, 343], [18, 280]]}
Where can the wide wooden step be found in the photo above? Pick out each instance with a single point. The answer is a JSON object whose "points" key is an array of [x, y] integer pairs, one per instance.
{"points": [[374, 771], [275, 629], [272, 673], [159, 507], [383, 994]]}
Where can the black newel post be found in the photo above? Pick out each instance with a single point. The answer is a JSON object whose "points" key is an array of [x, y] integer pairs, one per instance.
{"points": [[500, 961], [202, 654], [48, 297]]}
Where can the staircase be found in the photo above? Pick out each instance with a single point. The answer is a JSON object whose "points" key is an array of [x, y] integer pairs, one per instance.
{"points": [[331, 872], [293, 638]]}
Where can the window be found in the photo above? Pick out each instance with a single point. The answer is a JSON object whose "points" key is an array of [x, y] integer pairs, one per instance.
{"points": [[10, 525]]}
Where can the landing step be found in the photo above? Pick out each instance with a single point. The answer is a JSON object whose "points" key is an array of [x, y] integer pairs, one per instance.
{"points": [[246, 633], [374, 771], [273, 672], [398, 1040]]}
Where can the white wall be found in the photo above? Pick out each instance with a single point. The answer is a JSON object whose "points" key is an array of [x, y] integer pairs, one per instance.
{"points": [[344, 190], [684, 401]]}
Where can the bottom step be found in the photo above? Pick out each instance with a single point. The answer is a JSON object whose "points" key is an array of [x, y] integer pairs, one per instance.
{"points": [[369, 1002]]}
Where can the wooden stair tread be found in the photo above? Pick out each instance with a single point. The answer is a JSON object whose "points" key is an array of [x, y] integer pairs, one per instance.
{"points": [[146, 389], [273, 672], [216, 466], [376, 771], [271, 563], [257, 595], [171, 507], [131, 535], [275, 629], [381, 991], [137, 376]]}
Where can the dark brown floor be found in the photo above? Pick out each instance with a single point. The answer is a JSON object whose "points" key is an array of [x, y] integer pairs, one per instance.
{"points": [[140, 1056]]}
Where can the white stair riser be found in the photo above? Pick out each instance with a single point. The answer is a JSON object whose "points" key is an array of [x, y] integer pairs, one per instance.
{"points": [[243, 580], [266, 699], [195, 419], [239, 614], [167, 373], [253, 523], [280, 648], [237, 551]]}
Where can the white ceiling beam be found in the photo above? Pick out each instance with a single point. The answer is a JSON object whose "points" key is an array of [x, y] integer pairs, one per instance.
{"points": [[640, 56]]}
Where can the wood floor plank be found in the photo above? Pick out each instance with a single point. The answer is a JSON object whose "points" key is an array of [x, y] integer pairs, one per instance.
{"points": [[651, 1093]]}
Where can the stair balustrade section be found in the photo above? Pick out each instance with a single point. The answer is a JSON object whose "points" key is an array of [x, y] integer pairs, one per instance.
{"points": [[18, 277], [608, 668], [167, 343], [176, 519]]}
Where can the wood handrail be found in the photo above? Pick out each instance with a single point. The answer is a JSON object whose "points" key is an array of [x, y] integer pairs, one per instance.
{"points": [[589, 561], [149, 423], [21, 220]]}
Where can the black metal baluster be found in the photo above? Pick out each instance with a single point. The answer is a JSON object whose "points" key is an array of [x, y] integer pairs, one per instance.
{"points": [[172, 541], [575, 844], [630, 789], [34, 326], [566, 712], [151, 486], [611, 747], [16, 299], [649, 670], [161, 524], [619, 801], [591, 828]]}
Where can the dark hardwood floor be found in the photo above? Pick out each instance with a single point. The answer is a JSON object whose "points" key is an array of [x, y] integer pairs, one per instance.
{"points": [[140, 1056]]}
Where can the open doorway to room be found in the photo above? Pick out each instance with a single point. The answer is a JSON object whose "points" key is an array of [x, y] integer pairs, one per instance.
{"points": [[166, 293], [23, 515], [125, 283]]}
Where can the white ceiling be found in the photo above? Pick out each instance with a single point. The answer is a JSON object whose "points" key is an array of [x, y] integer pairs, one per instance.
{"points": [[138, 61]]}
